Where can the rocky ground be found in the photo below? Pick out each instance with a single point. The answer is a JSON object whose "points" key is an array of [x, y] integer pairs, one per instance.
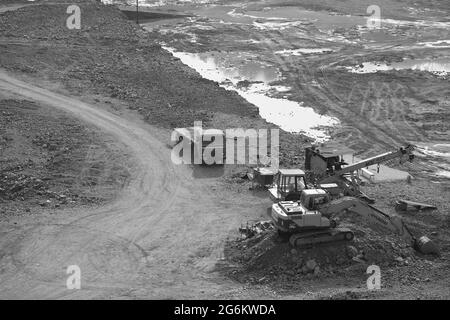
{"points": [[109, 57], [264, 259], [49, 160], [377, 111]]}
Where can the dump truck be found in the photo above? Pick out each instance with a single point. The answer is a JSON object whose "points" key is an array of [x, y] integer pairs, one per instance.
{"points": [[204, 147]]}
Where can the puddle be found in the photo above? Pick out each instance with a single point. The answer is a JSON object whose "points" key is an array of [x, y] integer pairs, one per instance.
{"points": [[444, 44], [436, 150], [440, 153], [280, 26], [443, 173], [417, 23], [292, 16], [439, 66], [302, 51], [156, 3], [221, 67], [289, 115]]}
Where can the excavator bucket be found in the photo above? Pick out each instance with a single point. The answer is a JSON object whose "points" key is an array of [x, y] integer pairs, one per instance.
{"points": [[426, 246]]}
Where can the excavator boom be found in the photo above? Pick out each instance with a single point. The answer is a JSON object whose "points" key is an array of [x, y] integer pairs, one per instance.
{"points": [[380, 220], [312, 220], [373, 216]]}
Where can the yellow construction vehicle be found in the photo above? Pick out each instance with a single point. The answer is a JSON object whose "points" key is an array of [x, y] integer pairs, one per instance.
{"points": [[303, 222], [311, 221], [288, 185]]}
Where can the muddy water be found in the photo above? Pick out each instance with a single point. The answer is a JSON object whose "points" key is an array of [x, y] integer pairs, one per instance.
{"points": [[262, 49], [289, 115], [229, 65], [439, 66], [440, 153]]}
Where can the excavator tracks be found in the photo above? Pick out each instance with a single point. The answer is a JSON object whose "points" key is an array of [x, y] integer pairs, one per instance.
{"points": [[333, 235]]}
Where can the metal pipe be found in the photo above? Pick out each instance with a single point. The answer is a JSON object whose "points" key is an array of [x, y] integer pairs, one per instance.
{"points": [[137, 11]]}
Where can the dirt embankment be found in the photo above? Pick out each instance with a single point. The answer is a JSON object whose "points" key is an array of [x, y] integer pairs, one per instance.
{"points": [[112, 61], [50, 160], [112, 57]]}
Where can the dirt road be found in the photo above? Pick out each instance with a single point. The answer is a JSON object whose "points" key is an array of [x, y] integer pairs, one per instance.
{"points": [[163, 235]]}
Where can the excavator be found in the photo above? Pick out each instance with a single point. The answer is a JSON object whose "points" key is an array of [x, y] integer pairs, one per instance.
{"points": [[311, 221]]}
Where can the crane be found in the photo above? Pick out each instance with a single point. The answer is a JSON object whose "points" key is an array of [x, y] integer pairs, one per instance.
{"points": [[329, 168], [401, 153]]}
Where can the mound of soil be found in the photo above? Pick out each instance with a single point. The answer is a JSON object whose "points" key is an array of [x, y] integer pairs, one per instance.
{"points": [[266, 258]]}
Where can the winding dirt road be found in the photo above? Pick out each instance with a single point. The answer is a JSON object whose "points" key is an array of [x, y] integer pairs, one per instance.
{"points": [[162, 238]]}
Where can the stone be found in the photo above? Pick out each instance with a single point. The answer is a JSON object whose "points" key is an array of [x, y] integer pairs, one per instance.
{"points": [[316, 270], [305, 269], [311, 264], [352, 251]]}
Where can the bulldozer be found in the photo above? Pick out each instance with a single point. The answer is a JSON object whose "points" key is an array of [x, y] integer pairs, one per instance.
{"points": [[311, 221]]}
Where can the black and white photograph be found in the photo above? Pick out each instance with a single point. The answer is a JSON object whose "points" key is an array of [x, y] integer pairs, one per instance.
{"points": [[225, 155]]}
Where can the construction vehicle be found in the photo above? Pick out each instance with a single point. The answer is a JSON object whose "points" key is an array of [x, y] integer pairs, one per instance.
{"points": [[304, 223], [288, 185], [311, 220], [327, 166], [402, 205], [200, 146]]}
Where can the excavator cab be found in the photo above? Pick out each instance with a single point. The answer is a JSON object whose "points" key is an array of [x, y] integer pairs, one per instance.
{"points": [[288, 185], [312, 199]]}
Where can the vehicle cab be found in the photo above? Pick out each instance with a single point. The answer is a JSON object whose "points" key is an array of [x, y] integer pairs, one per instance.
{"points": [[288, 185], [312, 199]]}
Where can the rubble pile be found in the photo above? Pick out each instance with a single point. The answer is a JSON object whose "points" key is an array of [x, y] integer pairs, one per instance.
{"points": [[265, 258], [255, 229]]}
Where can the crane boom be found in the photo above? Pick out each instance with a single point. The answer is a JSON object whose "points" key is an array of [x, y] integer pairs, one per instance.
{"points": [[338, 175], [400, 153]]}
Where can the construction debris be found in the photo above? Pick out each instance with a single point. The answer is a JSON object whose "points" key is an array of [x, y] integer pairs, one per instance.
{"points": [[426, 246], [250, 231], [402, 205], [262, 177]]}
